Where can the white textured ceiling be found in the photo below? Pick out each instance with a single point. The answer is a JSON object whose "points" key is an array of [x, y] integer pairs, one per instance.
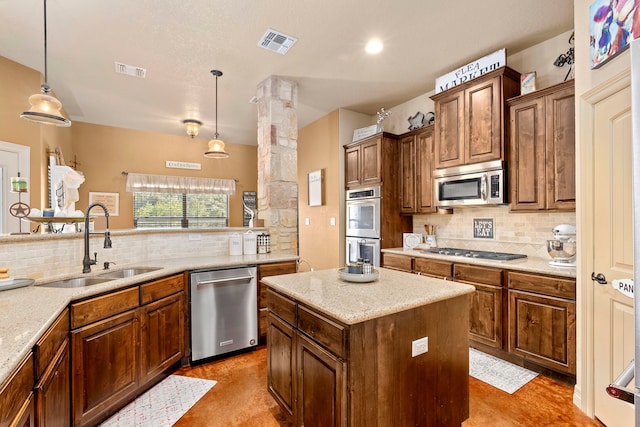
{"points": [[179, 42]]}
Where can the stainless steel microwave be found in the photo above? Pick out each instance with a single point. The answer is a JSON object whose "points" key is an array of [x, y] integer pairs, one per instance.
{"points": [[471, 185]]}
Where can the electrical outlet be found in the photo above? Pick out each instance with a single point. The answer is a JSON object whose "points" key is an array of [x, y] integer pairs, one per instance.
{"points": [[419, 346], [307, 221], [332, 221]]}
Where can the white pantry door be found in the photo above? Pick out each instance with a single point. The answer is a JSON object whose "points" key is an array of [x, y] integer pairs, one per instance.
{"points": [[613, 252]]}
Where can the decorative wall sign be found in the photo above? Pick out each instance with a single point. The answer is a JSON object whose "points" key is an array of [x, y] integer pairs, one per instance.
{"points": [[612, 26], [110, 200], [183, 165], [362, 133], [472, 70], [483, 228], [527, 83], [624, 286], [250, 203], [316, 193]]}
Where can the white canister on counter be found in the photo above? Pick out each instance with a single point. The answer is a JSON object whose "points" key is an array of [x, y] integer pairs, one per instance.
{"points": [[250, 243], [235, 244]]}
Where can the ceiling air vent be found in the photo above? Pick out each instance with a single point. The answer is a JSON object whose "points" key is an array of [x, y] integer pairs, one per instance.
{"points": [[276, 42], [131, 70]]}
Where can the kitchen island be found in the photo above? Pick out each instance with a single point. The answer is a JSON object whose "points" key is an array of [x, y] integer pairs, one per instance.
{"points": [[385, 353]]}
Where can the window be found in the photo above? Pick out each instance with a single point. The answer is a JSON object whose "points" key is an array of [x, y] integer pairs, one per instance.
{"points": [[161, 201], [179, 210]]}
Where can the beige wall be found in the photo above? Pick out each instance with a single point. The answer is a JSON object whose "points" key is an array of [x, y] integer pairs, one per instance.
{"points": [[104, 152], [319, 148], [17, 84]]}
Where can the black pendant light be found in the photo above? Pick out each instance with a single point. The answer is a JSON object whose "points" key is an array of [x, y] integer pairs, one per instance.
{"points": [[45, 108], [216, 145]]}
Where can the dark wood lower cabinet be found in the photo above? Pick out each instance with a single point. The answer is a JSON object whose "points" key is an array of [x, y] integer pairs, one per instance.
{"points": [[26, 414], [106, 366], [16, 396], [53, 391], [266, 270], [163, 333], [322, 390], [281, 364]]}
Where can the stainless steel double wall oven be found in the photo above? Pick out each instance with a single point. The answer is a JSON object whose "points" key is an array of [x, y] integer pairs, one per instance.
{"points": [[363, 225]]}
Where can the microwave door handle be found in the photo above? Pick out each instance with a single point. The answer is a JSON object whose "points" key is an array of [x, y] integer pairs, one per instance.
{"points": [[483, 186]]}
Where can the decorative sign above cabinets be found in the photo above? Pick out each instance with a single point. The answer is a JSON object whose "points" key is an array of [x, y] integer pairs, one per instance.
{"points": [[183, 165], [472, 70]]}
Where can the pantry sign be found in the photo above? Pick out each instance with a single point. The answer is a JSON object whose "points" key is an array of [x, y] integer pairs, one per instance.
{"points": [[472, 70]]}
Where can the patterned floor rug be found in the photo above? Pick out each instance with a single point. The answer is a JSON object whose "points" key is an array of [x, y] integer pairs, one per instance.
{"points": [[497, 372], [162, 405]]}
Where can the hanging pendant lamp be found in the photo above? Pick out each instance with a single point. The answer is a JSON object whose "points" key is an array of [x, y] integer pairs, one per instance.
{"points": [[216, 145], [45, 108]]}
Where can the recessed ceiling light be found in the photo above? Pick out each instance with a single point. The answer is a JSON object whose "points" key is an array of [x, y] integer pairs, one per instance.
{"points": [[374, 46]]}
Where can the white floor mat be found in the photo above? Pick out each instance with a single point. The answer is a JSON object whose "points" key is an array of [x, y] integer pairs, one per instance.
{"points": [[497, 372]]}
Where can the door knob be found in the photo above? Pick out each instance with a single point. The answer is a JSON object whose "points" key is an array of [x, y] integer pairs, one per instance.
{"points": [[599, 278]]}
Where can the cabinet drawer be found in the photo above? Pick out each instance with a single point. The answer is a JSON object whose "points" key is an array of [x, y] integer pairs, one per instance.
{"points": [[324, 331], [48, 345], [281, 306], [16, 391], [397, 262], [433, 267], [94, 309], [275, 269], [161, 288], [552, 286], [475, 274]]}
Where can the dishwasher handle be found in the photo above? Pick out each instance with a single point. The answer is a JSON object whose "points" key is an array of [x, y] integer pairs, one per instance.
{"points": [[227, 279]]}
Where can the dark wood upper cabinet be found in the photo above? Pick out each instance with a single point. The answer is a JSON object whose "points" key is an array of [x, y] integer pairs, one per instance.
{"points": [[469, 125], [542, 149], [415, 169], [363, 162]]}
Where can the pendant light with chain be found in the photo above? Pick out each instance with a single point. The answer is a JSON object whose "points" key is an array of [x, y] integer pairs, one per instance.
{"points": [[216, 145], [45, 108]]}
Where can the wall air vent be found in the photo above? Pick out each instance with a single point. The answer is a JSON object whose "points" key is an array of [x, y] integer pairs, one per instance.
{"points": [[276, 41], [131, 70]]}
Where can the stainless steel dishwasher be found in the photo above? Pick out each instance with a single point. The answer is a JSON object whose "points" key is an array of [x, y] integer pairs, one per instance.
{"points": [[224, 311]]}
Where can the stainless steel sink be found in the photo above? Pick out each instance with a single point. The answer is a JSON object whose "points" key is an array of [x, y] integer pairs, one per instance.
{"points": [[128, 272], [78, 282]]}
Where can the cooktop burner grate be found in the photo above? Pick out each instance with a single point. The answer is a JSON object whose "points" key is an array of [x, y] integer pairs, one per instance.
{"points": [[496, 256]]}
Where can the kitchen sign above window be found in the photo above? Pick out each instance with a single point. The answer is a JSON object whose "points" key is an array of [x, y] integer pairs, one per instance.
{"points": [[472, 70]]}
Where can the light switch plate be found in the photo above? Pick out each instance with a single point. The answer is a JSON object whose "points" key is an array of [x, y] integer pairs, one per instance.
{"points": [[307, 221], [332, 221]]}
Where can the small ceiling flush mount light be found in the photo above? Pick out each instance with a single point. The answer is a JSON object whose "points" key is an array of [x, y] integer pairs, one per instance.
{"points": [[374, 46], [216, 145], [192, 127], [45, 108]]}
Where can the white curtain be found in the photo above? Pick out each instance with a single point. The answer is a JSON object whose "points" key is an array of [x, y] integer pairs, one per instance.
{"points": [[179, 184]]}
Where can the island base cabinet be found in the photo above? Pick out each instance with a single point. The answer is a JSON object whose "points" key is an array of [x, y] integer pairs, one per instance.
{"points": [[106, 366], [281, 364], [16, 396], [321, 386]]}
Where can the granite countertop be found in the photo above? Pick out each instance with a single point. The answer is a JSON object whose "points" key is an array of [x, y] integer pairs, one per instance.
{"points": [[26, 313], [529, 264], [352, 303]]}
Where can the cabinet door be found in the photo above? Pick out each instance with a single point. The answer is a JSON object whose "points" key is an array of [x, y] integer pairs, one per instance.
{"points": [[352, 165], [106, 366], [542, 329], [397, 262], [162, 335], [483, 121], [561, 150], [370, 168], [485, 315], [407, 190], [449, 130], [26, 415], [53, 391], [424, 171], [527, 166], [322, 386], [433, 268], [281, 340], [265, 270]]}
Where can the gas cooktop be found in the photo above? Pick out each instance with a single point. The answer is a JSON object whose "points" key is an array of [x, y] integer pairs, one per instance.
{"points": [[495, 256]]}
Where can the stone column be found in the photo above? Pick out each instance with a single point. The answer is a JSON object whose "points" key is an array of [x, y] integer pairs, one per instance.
{"points": [[277, 101]]}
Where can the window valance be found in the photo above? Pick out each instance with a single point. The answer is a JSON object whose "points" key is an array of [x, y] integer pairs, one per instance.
{"points": [[179, 184]]}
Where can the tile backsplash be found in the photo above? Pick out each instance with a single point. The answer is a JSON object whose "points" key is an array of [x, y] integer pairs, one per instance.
{"points": [[524, 233]]}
